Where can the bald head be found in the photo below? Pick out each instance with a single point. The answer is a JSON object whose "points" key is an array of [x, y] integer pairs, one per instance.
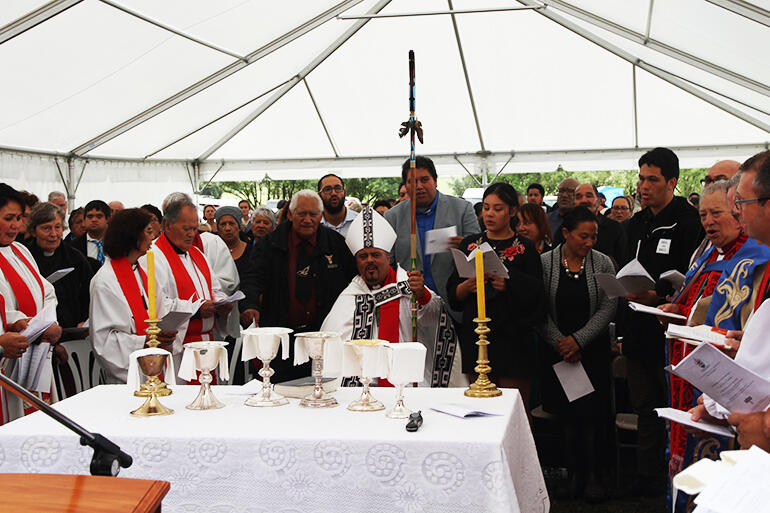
{"points": [[565, 197], [722, 170]]}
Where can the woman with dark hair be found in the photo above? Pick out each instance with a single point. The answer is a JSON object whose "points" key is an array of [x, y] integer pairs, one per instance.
{"points": [[533, 224], [228, 221], [77, 224], [44, 226], [156, 218], [119, 295], [515, 304], [24, 290], [575, 332]]}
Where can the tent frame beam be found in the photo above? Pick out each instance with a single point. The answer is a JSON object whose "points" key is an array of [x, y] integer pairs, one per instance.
{"points": [[658, 72], [653, 44], [745, 9], [34, 18], [168, 28], [320, 118], [215, 77], [451, 11], [357, 25], [467, 78]]}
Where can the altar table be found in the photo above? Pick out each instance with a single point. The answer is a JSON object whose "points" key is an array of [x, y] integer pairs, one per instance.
{"points": [[288, 459]]}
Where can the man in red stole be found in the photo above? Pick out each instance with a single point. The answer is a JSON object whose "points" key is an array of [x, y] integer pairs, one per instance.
{"points": [[377, 303], [184, 273]]}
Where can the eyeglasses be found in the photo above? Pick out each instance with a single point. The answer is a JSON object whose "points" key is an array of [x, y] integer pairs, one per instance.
{"points": [[620, 208], [708, 180], [739, 202], [328, 189]]}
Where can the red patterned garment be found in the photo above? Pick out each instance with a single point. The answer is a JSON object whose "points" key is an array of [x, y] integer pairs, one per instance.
{"points": [[681, 390]]}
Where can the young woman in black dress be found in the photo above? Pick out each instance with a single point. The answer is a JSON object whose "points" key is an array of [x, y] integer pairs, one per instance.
{"points": [[515, 304]]}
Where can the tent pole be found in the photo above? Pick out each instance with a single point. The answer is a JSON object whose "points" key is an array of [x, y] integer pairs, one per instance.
{"points": [[467, 79], [636, 116]]}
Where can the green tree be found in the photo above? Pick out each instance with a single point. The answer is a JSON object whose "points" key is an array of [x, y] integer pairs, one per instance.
{"points": [[689, 180]]}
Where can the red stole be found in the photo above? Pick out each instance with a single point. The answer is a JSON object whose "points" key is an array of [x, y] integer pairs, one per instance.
{"points": [[24, 300], [124, 272], [185, 287], [389, 321], [2, 313]]}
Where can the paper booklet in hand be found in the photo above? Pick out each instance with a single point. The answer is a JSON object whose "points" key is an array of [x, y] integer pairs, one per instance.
{"points": [[684, 418], [638, 307], [632, 279], [466, 267], [437, 241], [732, 386], [58, 275], [180, 313], [696, 335], [236, 296]]}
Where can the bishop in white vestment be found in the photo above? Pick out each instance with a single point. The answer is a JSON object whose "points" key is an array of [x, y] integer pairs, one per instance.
{"points": [[377, 302]]}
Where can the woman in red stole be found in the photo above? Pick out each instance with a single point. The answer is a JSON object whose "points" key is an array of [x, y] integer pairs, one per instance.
{"points": [[119, 295], [24, 290]]}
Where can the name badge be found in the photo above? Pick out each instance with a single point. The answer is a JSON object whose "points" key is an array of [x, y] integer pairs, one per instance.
{"points": [[664, 246]]}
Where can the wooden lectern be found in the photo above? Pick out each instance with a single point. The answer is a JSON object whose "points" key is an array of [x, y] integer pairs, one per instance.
{"points": [[60, 493]]}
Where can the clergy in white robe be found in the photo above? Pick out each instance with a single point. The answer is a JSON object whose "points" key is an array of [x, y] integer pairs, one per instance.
{"points": [[377, 302], [183, 272], [119, 300], [223, 266], [24, 290]]}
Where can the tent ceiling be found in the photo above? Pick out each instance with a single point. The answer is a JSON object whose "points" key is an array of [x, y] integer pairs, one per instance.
{"points": [[566, 80]]}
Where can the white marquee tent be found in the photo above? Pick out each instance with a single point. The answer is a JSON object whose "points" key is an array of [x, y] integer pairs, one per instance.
{"points": [[133, 99]]}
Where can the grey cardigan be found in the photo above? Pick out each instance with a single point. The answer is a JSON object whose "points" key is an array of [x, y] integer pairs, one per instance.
{"points": [[601, 307]]}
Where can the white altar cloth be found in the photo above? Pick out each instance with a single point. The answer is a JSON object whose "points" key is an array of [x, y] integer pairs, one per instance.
{"points": [[289, 459]]}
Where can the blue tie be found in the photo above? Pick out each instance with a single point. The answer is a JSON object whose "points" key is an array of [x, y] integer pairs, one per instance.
{"points": [[99, 252]]}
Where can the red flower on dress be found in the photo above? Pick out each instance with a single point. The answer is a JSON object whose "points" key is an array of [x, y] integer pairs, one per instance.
{"points": [[511, 251], [472, 247]]}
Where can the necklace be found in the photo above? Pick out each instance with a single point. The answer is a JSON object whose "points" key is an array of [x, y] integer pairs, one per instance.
{"points": [[571, 274]]}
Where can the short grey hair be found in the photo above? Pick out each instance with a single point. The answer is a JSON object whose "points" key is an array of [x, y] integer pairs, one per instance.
{"points": [[305, 193], [264, 212], [173, 205], [43, 213], [56, 194], [718, 186]]}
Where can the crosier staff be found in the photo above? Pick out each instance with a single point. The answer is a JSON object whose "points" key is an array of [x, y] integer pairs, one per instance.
{"points": [[412, 127]]}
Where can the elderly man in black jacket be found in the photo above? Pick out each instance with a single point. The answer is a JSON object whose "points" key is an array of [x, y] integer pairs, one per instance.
{"points": [[662, 237], [295, 275]]}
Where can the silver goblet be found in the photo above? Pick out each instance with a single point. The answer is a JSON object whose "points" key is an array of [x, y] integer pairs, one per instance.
{"points": [[364, 349], [314, 342], [206, 356], [265, 343]]}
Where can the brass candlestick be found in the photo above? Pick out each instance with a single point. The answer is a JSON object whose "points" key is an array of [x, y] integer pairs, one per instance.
{"points": [[153, 382], [482, 387]]}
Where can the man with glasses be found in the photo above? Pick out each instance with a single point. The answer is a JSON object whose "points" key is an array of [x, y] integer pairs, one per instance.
{"points": [[565, 201], [752, 202], [336, 215], [722, 170]]}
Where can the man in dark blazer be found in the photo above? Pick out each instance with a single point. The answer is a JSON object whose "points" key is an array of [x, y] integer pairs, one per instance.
{"points": [[97, 217], [295, 275], [434, 210]]}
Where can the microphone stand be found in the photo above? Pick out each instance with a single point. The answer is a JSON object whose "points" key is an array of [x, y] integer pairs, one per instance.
{"points": [[107, 459]]}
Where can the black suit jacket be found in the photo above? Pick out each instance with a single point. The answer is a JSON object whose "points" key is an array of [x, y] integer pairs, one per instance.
{"points": [[265, 283], [81, 244]]}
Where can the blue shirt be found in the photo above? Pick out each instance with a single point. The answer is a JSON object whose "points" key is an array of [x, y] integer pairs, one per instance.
{"points": [[425, 220]]}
